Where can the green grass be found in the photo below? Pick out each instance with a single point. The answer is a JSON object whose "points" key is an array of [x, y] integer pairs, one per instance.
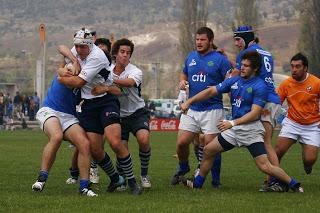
{"points": [[20, 154]]}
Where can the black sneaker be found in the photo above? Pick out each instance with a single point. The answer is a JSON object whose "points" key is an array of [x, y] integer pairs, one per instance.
{"points": [[176, 179], [275, 187], [297, 188], [135, 189], [113, 186], [308, 169], [88, 192], [188, 182]]}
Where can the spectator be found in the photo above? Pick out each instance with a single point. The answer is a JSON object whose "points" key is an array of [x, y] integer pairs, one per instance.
{"points": [[36, 101], [17, 101]]}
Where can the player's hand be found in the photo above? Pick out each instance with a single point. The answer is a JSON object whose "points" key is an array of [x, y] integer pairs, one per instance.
{"points": [[184, 107], [99, 89], [224, 125], [183, 85], [64, 72], [76, 68]]}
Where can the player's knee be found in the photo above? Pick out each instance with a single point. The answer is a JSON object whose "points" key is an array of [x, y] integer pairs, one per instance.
{"points": [[208, 152], [84, 147], [57, 138]]}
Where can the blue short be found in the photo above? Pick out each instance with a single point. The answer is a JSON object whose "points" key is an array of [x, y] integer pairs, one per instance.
{"points": [[98, 113]]}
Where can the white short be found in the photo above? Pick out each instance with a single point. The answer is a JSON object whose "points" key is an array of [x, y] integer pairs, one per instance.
{"points": [[66, 120], [270, 113], [306, 134], [201, 121], [245, 134]]}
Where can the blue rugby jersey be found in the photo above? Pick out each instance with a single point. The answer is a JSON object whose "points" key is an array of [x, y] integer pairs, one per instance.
{"points": [[205, 71], [244, 93], [61, 98], [266, 70]]}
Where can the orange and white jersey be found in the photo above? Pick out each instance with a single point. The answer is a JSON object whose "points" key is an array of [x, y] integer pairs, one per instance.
{"points": [[303, 99]]}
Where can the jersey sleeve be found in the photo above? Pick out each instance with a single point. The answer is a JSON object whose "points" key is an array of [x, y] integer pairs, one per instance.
{"points": [[93, 67], [224, 87], [136, 75], [260, 95]]}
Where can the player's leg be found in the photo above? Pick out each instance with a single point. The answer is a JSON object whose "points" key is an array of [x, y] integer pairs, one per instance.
{"points": [[112, 133], [310, 141], [208, 122], [104, 160], [218, 145], [188, 129], [268, 118], [143, 138], [309, 156], [282, 146], [185, 138], [265, 166], [74, 170], [53, 130], [216, 166], [78, 137], [272, 155], [287, 137]]}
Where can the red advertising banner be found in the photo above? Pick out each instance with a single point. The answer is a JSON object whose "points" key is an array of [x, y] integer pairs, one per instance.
{"points": [[164, 124]]}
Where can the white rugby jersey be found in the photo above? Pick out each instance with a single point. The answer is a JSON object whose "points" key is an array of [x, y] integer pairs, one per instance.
{"points": [[94, 70], [130, 100]]}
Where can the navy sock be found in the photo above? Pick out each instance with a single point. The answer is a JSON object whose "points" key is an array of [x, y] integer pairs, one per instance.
{"points": [[107, 166], [93, 164], [183, 167], [292, 183], [43, 176], [198, 181], [144, 159], [215, 170], [74, 173], [127, 167], [84, 183]]}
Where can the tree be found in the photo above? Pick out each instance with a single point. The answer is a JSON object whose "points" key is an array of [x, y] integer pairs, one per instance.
{"points": [[194, 15], [309, 41], [246, 13]]}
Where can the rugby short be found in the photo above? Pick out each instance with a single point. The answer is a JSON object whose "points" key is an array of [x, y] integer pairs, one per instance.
{"points": [[98, 113], [66, 120], [134, 122], [270, 113], [306, 134], [201, 121], [249, 135]]}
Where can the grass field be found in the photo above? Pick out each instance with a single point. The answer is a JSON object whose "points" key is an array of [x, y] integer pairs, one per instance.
{"points": [[20, 154]]}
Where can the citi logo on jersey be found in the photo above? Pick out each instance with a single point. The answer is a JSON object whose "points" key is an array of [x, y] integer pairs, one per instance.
{"points": [[237, 102], [192, 63], [199, 77]]}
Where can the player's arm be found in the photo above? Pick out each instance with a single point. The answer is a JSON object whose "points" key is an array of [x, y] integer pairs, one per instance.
{"points": [[101, 89], [183, 84], [72, 81], [66, 52], [201, 96], [128, 82], [253, 115]]}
